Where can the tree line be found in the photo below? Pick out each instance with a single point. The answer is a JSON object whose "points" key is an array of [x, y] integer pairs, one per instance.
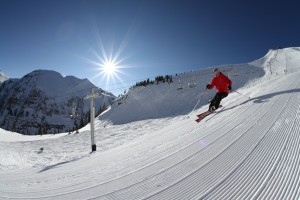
{"points": [[157, 80]]}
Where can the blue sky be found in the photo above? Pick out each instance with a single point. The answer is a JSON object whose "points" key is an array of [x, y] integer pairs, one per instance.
{"points": [[146, 37]]}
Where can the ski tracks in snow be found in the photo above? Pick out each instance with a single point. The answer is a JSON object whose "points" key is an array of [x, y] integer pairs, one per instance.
{"points": [[244, 169]]}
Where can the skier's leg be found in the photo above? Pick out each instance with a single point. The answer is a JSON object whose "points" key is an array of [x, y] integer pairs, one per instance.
{"points": [[219, 97], [213, 101]]}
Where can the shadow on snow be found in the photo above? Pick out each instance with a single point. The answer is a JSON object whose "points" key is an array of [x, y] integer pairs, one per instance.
{"points": [[62, 163], [264, 98]]}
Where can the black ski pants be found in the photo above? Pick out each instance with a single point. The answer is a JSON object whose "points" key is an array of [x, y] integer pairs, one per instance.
{"points": [[217, 99]]}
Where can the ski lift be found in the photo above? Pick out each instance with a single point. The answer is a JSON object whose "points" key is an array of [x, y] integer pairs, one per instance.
{"points": [[192, 84], [180, 86]]}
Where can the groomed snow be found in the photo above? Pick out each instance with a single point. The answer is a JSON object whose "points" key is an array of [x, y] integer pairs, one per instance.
{"points": [[247, 150]]}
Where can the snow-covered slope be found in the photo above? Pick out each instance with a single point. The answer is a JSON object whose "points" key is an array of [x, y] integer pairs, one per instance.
{"points": [[167, 100], [280, 61], [177, 98], [248, 150]]}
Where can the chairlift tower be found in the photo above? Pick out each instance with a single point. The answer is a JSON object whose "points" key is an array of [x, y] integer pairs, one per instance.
{"points": [[74, 114], [92, 97]]}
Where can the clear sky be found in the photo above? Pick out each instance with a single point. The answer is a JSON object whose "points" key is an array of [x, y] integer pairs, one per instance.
{"points": [[145, 38]]}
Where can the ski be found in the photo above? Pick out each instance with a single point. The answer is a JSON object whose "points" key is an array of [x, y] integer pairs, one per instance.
{"points": [[206, 113], [203, 115]]}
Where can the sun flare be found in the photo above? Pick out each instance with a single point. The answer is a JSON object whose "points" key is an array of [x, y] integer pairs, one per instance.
{"points": [[110, 64], [109, 68]]}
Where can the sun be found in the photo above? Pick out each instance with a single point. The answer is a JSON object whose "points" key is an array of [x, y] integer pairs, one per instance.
{"points": [[111, 63], [109, 68]]}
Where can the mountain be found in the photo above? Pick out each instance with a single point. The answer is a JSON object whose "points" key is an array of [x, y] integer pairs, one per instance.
{"points": [[3, 77], [46, 102]]}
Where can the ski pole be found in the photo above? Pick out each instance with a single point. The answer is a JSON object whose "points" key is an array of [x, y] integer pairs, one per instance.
{"points": [[197, 102], [242, 94]]}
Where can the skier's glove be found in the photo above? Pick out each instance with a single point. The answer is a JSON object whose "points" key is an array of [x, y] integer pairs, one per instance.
{"points": [[229, 87], [207, 86]]}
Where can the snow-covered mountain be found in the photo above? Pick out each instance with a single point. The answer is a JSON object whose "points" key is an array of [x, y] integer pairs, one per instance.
{"points": [[46, 102], [249, 149], [3, 77]]}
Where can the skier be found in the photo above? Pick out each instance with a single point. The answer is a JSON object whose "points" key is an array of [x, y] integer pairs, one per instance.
{"points": [[223, 85]]}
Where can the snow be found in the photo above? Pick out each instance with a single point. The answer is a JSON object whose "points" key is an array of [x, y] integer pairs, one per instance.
{"points": [[3, 77], [56, 84], [150, 147], [166, 100], [8, 136]]}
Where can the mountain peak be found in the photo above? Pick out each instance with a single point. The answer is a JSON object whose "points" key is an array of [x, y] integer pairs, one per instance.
{"points": [[279, 61], [42, 72], [3, 77], [54, 83]]}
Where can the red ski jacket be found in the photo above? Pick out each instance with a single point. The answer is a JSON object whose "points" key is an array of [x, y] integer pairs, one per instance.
{"points": [[221, 82]]}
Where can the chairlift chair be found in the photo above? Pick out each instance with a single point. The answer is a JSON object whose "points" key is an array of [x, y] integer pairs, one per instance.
{"points": [[192, 84], [180, 86]]}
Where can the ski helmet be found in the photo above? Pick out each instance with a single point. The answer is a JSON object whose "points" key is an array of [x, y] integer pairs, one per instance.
{"points": [[216, 70]]}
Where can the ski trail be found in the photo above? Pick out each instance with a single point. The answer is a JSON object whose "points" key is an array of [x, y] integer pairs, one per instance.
{"points": [[184, 164], [261, 162]]}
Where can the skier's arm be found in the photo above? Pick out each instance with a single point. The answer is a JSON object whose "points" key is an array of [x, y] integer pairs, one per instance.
{"points": [[229, 84], [211, 85]]}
